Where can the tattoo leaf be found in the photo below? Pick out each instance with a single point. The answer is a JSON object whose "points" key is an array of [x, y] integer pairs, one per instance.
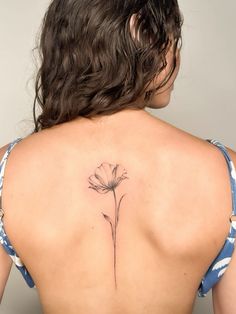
{"points": [[107, 218], [110, 221], [119, 207]]}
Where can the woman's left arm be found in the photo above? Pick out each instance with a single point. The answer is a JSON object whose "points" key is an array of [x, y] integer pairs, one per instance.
{"points": [[5, 260]]}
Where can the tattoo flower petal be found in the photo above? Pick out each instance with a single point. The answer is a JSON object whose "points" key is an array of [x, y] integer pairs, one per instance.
{"points": [[107, 177]]}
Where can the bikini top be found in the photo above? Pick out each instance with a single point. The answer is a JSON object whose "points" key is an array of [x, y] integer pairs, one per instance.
{"points": [[214, 272]]}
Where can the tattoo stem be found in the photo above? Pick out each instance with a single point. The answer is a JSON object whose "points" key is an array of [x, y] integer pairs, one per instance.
{"points": [[115, 237]]}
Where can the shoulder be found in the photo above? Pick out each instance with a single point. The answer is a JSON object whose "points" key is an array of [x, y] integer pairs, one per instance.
{"points": [[24, 149], [184, 145], [199, 169], [186, 151], [3, 150], [21, 156]]}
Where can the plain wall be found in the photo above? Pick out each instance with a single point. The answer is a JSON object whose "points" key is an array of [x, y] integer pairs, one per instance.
{"points": [[203, 101]]}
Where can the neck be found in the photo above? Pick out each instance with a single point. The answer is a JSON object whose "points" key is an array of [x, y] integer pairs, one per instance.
{"points": [[123, 116]]}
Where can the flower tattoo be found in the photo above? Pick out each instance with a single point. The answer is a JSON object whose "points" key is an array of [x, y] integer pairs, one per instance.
{"points": [[105, 179]]}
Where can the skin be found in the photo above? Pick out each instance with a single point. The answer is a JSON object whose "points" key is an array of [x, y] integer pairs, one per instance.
{"points": [[162, 98], [70, 249]]}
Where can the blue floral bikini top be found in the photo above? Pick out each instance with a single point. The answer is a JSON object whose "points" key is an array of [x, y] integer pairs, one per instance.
{"points": [[214, 272]]}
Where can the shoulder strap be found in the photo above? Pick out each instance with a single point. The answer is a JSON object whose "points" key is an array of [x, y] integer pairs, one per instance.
{"points": [[2, 169], [232, 172]]}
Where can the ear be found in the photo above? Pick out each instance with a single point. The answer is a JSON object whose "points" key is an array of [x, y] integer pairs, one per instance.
{"points": [[133, 28]]}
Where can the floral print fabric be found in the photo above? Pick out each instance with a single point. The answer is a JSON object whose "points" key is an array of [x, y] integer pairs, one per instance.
{"points": [[3, 237]]}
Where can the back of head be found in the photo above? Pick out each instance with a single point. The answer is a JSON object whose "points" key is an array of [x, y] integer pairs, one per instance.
{"points": [[99, 56]]}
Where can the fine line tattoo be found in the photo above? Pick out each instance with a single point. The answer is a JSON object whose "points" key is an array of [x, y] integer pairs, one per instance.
{"points": [[106, 178]]}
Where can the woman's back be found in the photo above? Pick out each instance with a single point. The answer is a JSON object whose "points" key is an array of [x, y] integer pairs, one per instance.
{"points": [[170, 194]]}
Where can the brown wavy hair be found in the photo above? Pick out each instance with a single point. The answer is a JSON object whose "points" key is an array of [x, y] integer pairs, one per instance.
{"points": [[90, 62]]}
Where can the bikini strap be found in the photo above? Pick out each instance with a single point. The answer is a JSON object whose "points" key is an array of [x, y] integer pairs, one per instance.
{"points": [[232, 173], [2, 169]]}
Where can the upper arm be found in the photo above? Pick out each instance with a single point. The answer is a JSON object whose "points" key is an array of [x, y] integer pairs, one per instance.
{"points": [[223, 293], [5, 260]]}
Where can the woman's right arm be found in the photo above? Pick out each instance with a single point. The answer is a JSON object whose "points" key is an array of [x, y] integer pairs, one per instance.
{"points": [[5, 267], [224, 292]]}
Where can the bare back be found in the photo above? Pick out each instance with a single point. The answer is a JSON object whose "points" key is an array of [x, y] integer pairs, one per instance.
{"points": [[133, 236]]}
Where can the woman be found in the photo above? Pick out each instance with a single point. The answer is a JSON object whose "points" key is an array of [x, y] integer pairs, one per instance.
{"points": [[104, 207]]}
